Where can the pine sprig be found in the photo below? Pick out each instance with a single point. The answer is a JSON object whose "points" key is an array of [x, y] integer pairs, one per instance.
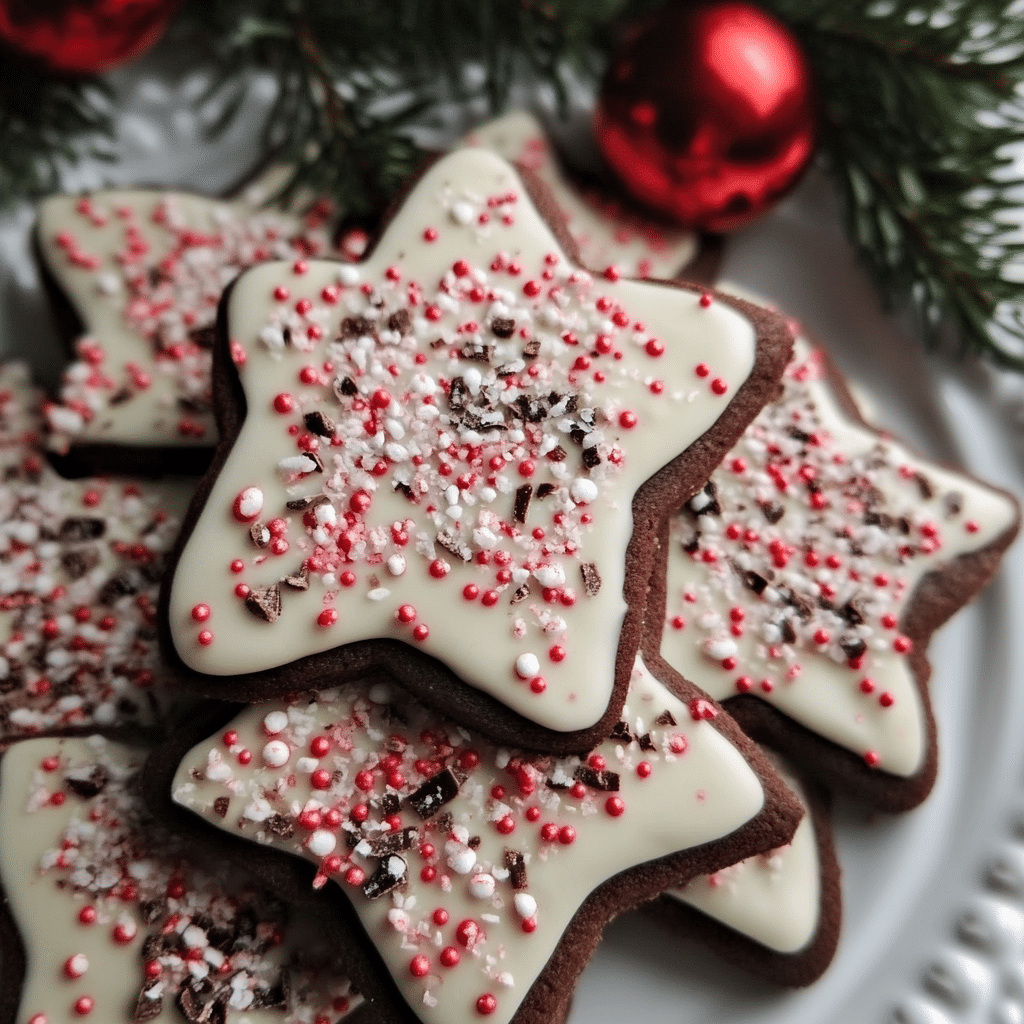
{"points": [[46, 124], [904, 87]]}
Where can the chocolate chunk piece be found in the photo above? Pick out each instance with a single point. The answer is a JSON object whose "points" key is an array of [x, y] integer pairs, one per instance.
{"points": [[76, 529], [203, 337], [220, 806], [392, 873], [522, 503], [620, 733], [924, 485], [852, 646], [280, 826], [516, 864], [265, 602], [788, 632], [477, 353], [557, 454], [458, 394], [120, 585], [259, 534], [545, 490], [665, 718], [755, 582], [503, 327], [597, 778], [531, 349], [591, 578], [393, 842], [436, 792], [400, 320], [87, 782], [310, 501], [319, 423], [645, 741], [953, 503], [357, 327], [147, 1006], [521, 594], [78, 562], [772, 512], [298, 580], [591, 458], [390, 804], [454, 546], [121, 395]]}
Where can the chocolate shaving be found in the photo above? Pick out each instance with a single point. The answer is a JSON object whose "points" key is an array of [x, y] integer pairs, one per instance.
{"points": [[121, 585], [503, 327], [286, 334], [772, 512], [298, 580], [458, 394], [853, 646], [280, 826], [665, 718], [87, 783], [924, 485], [620, 733], [318, 423], [390, 803], [146, 1007], [454, 546], [557, 454], [591, 457], [645, 741], [392, 873], [591, 579], [437, 343], [516, 864], [80, 561], [788, 632], [393, 842], [437, 791], [531, 349], [357, 326], [265, 602], [151, 910], [755, 582], [444, 823], [522, 503], [404, 489], [345, 387], [953, 502], [318, 462], [76, 529], [578, 434], [712, 507], [310, 501], [120, 396], [521, 594], [597, 778], [545, 489], [852, 613], [477, 353], [220, 806], [401, 321], [473, 842], [511, 368], [260, 534]]}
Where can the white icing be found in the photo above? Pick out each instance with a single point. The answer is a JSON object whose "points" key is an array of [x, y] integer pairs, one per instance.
{"points": [[773, 898], [699, 789], [584, 627]]}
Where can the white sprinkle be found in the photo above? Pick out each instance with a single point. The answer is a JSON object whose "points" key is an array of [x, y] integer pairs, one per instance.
{"points": [[396, 565], [296, 464], [461, 859], [348, 275], [321, 842], [720, 649], [582, 490], [482, 886], [463, 213], [550, 575], [525, 904], [276, 754], [380, 693], [527, 665], [306, 765], [275, 722]]}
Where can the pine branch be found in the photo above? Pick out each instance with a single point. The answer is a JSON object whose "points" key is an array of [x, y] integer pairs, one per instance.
{"points": [[904, 88]]}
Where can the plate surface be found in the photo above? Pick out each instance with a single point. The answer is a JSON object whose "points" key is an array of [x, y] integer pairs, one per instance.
{"points": [[934, 900]]}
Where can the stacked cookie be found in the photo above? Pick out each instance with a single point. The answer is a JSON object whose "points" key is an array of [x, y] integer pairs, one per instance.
{"points": [[485, 539]]}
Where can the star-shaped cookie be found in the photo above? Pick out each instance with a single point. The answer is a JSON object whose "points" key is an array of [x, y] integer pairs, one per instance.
{"points": [[606, 229], [135, 276], [108, 917], [466, 436], [80, 562], [482, 875], [804, 582]]}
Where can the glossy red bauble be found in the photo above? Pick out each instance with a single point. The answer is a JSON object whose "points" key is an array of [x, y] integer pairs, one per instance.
{"points": [[706, 113], [85, 37]]}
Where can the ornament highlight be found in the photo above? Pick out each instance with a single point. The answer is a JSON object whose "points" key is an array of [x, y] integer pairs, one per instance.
{"points": [[83, 38], [706, 113]]}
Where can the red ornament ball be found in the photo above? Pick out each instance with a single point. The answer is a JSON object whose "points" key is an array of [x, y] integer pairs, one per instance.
{"points": [[83, 37], [706, 113]]}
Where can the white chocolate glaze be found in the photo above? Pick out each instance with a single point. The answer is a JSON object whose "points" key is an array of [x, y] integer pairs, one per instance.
{"points": [[773, 898], [79, 568], [144, 270], [629, 802], [604, 229], [624, 376], [858, 522], [88, 851]]}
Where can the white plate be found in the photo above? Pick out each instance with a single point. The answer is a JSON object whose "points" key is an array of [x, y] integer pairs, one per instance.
{"points": [[934, 900]]}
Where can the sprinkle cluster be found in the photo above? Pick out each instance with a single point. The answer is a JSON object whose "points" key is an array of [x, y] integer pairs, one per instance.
{"points": [[168, 290], [210, 942]]}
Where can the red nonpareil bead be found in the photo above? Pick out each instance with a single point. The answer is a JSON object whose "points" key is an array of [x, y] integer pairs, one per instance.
{"points": [[440, 917], [628, 419], [421, 632], [644, 769], [419, 966], [531, 289], [84, 1005], [486, 1005], [200, 612], [719, 386], [87, 915], [328, 617], [886, 699], [871, 758], [205, 637], [702, 369], [449, 956], [244, 757], [549, 832], [320, 779], [468, 933], [319, 746], [615, 806], [406, 613], [355, 876], [567, 835]]}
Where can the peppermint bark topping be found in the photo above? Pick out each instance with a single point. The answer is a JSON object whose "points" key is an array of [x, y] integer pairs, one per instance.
{"points": [[469, 482], [791, 572]]}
